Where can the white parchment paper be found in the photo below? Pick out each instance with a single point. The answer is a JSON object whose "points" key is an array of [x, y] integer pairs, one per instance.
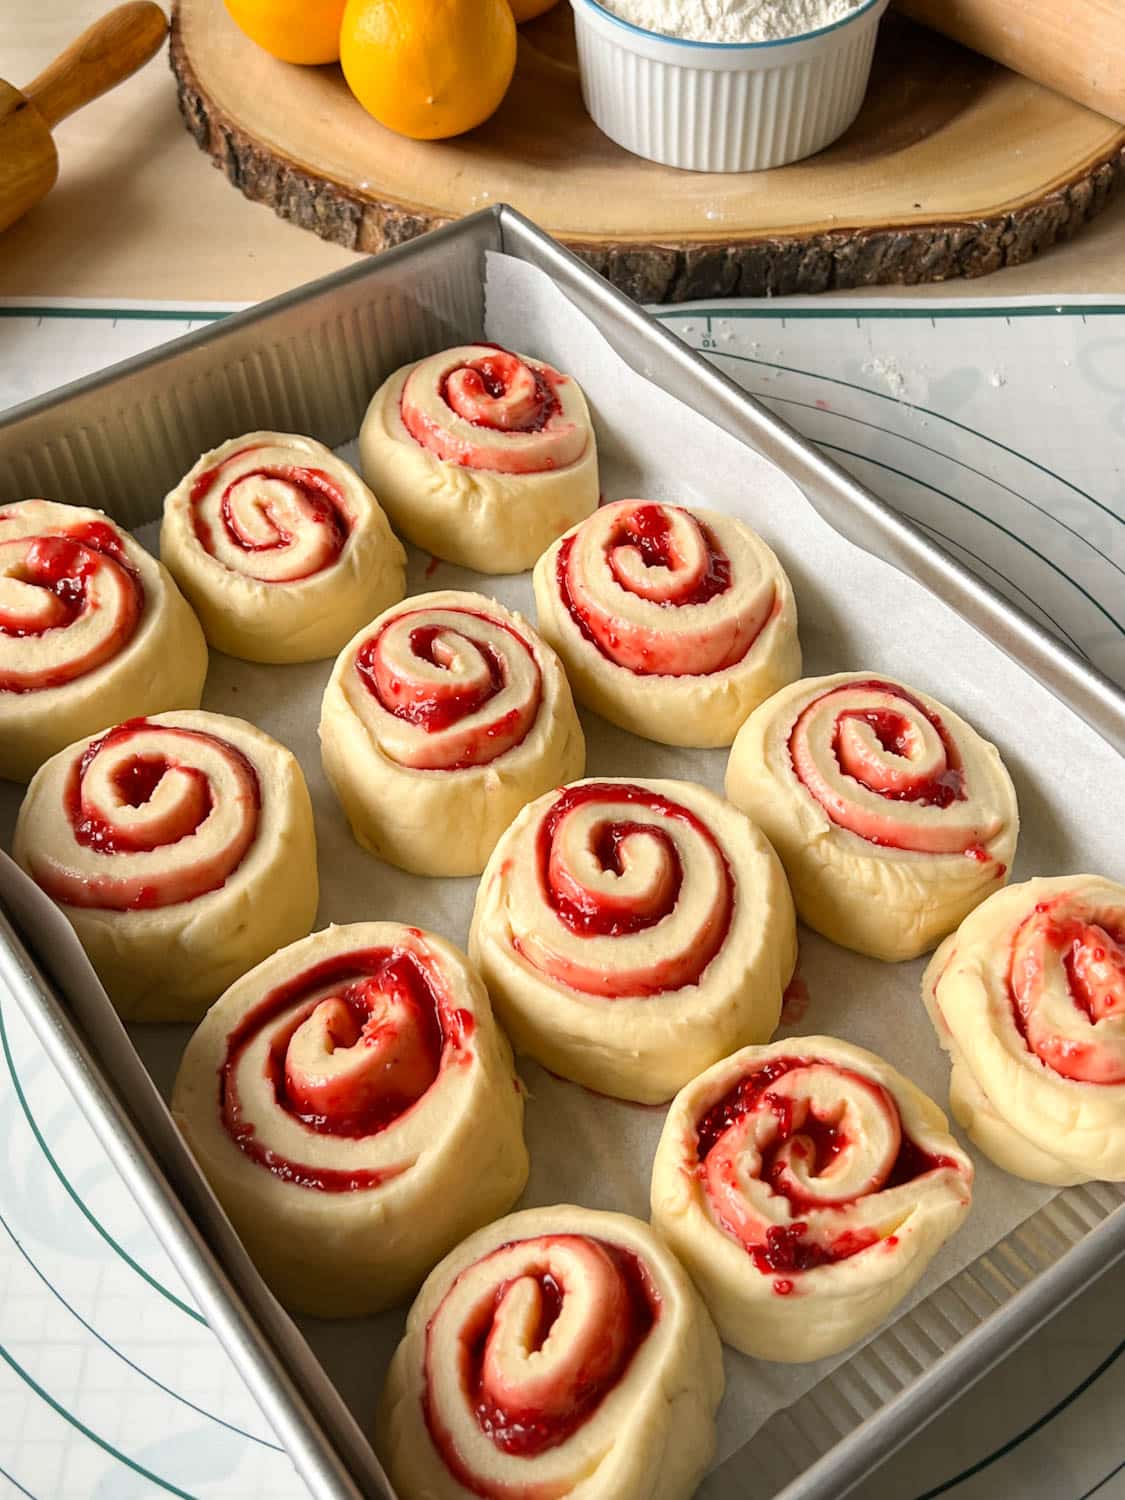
{"points": [[855, 613]]}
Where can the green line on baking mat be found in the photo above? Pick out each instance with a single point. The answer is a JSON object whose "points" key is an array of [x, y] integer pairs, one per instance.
{"points": [[120, 1353], [68, 1416], [1101, 1484], [152, 314], [992, 568], [16, 1485], [989, 520], [905, 437], [926, 411], [61, 1175], [779, 310], [1030, 1430]]}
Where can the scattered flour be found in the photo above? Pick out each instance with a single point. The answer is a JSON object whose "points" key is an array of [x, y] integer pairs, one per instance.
{"points": [[732, 20], [890, 373]]}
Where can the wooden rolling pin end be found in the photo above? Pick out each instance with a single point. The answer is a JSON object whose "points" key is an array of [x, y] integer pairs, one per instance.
{"points": [[29, 162], [1076, 47], [103, 56]]}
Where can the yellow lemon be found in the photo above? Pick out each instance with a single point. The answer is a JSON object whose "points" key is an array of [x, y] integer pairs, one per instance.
{"points": [[428, 68], [296, 31]]}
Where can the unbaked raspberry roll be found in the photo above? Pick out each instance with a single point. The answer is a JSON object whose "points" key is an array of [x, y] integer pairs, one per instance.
{"points": [[441, 720], [353, 1105], [1028, 999], [892, 816], [561, 1351], [671, 623], [480, 456], [92, 630], [181, 849], [806, 1186], [281, 548], [632, 932]]}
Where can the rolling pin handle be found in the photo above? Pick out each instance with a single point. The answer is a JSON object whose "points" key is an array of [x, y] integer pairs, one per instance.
{"points": [[104, 55]]}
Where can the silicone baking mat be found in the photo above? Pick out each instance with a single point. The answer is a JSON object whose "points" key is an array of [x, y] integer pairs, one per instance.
{"points": [[1000, 430]]}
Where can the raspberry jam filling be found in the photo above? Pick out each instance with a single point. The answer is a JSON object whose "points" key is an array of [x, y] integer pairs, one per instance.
{"points": [[135, 780], [63, 567], [817, 1143], [527, 1406], [501, 393], [312, 514], [901, 756], [477, 674], [495, 413], [663, 556], [1064, 947], [143, 795], [648, 529], [896, 735], [359, 1040], [586, 912]]}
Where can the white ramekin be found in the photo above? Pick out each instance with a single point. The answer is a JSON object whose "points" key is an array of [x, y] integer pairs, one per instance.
{"points": [[723, 106]]}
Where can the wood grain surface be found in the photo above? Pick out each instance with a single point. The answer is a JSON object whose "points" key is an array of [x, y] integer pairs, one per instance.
{"points": [[955, 167], [1074, 46]]}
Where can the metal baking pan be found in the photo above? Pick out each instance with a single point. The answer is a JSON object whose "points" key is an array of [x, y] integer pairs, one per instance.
{"points": [[308, 362]]}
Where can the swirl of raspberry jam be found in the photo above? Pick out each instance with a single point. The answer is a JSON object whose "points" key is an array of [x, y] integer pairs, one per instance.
{"points": [[493, 411], [865, 749], [1066, 986], [501, 392], [630, 578], [172, 813], [586, 910], [798, 1146], [78, 580], [350, 1046], [543, 1331], [431, 669], [276, 522]]}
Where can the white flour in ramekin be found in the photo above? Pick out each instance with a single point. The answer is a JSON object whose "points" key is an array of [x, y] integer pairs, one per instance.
{"points": [[732, 20]]}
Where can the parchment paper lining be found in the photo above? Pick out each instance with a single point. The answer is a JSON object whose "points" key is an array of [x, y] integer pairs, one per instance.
{"points": [[856, 613]]}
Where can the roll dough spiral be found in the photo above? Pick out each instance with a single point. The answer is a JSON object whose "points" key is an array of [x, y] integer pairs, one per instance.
{"points": [[92, 630], [632, 932], [281, 548], [806, 1186], [672, 623], [1028, 999], [334, 1097], [892, 816], [593, 1370], [441, 720], [480, 456], [181, 849]]}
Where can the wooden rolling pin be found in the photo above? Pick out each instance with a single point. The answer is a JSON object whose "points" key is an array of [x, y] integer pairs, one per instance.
{"points": [[1076, 47], [102, 57]]}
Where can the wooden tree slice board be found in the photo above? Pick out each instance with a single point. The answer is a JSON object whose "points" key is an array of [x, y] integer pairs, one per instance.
{"points": [[955, 167]]}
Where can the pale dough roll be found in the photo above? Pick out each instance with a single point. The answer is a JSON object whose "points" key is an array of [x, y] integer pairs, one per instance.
{"points": [[92, 631], [632, 932], [806, 1186], [353, 1105], [1028, 999], [481, 457], [671, 623], [441, 720], [180, 848], [892, 816], [562, 1352], [281, 548]]}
